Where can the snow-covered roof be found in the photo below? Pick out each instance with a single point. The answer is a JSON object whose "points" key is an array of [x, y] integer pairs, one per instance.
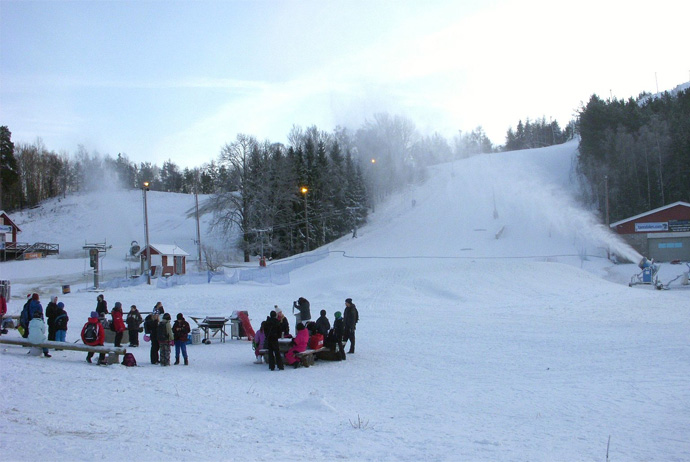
{"points": [[651, 212], [7, 217], [166, 249]]}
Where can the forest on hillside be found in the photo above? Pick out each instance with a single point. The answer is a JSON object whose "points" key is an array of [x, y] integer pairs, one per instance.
{"points": [[638, 149]]}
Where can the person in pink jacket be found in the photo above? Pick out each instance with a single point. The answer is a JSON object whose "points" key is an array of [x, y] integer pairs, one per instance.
{"points": [[299, 345]]}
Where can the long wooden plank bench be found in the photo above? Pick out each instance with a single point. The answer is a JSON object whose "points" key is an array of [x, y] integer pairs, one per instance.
{"points": [[112, 351]]}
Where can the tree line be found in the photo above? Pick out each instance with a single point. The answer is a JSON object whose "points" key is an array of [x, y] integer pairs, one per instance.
{"points": [[637, 148], [256, 186]]}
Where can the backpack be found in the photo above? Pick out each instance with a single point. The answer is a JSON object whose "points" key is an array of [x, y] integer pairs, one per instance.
{"points": [[129, 360], [331, 339], [163, 332], [91, 332]]}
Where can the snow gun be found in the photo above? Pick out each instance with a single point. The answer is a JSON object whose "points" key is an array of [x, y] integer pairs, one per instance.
{"points": [[648, 275]]}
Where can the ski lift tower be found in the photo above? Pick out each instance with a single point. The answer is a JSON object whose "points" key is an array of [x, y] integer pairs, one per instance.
{"points": [[94, 256]]}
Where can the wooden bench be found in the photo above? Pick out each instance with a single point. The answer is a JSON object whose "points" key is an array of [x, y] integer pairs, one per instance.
{"points": [[112, 351], [307, 356]]}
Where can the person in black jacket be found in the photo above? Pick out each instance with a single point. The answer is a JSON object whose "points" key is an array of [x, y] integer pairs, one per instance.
{"points": [[351, 316], [338, 329], [101, 306], [51, 314], [133, 323], [302, 305], [273, 330], [323, 325], [151, 329]]}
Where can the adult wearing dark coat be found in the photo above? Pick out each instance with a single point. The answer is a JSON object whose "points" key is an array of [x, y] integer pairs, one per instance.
{"points": [[323, 325], [181, 330], [151, 329], [351, 317], [302, 305], [273, 330], [51, 314], [101, 306], [133, 321]]}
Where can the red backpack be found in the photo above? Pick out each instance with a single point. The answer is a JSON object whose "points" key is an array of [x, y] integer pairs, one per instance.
{"points": [[316, 342]]}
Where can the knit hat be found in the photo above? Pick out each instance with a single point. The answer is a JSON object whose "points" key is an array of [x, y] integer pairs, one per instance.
{"points": [[94, 314], [179, 316], [338, 315], [166, 316], [118, 305], [348, 300], [61, 305]]}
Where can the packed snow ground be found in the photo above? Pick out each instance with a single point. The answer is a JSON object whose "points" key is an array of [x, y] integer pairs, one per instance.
{"points": [[526, 347]]}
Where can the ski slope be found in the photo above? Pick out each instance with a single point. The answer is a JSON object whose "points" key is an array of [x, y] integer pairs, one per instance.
{"points": [[526, 347]]}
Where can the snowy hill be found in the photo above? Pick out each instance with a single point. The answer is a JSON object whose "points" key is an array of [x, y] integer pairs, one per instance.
{"points": [[469, 347]]}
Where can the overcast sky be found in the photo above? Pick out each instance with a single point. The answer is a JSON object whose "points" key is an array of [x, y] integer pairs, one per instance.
{"points": [[160, 80]]}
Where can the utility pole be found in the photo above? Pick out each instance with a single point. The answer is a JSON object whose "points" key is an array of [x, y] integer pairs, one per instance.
{"points": [[198, 232], [304, 191], [146, 231]]}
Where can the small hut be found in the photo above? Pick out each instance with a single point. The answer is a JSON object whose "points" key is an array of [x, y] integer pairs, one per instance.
{"points": [[166, 259]]}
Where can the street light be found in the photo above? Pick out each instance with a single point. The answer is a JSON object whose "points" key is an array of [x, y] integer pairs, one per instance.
{"points": [[146, 231], [304, 190]]}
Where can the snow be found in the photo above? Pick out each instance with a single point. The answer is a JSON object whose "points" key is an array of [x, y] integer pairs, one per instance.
{"points": [[526, 347]]}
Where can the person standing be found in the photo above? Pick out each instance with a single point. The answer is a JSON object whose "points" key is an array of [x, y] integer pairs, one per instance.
{"points": [[338, 329], [93, 334], [151, 329], [51, 314], [101, 306], [133, 325], [273, 332], [37, 331], [351, 316], [118, 324], [323, 325], [61, 323], [180, 331], [302, 305], [284, 324], [165, 338]]}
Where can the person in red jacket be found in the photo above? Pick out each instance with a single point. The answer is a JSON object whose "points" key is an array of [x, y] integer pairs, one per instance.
{"points": [[119, 325], [299, 345], [92, 334]]}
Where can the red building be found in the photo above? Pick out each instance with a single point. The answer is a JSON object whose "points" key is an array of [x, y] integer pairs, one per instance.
{"points": [[662, 234]]}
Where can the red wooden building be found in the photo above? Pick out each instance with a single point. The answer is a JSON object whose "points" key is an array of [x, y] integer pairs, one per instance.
{"points": [[662, 234]]}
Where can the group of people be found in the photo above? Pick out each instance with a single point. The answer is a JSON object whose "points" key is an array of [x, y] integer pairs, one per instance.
{"points": [[157, 327], [311, 335], [33, 326]]}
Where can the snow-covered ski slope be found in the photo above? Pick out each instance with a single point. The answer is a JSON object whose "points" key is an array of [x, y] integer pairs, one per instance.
{"points": [[472, 348]]}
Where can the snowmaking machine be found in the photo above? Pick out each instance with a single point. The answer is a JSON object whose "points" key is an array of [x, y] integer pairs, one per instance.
{"points": [[648, 275]]}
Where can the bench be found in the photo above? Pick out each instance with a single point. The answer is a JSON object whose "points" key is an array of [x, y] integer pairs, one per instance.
{"points": [[112, 351], [307, 356]]}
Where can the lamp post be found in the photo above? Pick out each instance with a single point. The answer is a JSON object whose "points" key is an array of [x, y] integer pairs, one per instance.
{"points": [[304, 190], [146, 232]]}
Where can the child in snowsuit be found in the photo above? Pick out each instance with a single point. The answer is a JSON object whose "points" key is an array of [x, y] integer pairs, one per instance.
{"points": [[299, 345], [37, 332], [338, 328], [61, 323], [181, 330], [258, 343], [165, 338]]}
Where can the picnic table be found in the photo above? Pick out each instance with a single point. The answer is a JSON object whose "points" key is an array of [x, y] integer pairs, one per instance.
{"points": [[212, 326]]}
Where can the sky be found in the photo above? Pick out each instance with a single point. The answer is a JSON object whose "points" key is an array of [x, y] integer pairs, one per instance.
{"points": [[178, 80]]}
